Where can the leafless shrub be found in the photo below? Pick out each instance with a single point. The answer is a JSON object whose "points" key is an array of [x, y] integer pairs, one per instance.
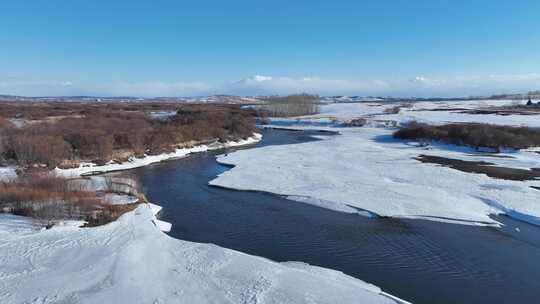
{"points": [[110, 132], [108, 214], [291, 105], [51, 198], [42, 196], [473, 135], [392, 110], [356, 122], [39, 149]]}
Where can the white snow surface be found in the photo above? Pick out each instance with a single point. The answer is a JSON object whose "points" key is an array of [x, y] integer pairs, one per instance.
{"points": [[91, 168], [7, 173], [120, 199], [161, 225], [10, 224], [130, 261], [365, 168], [419, 111]]}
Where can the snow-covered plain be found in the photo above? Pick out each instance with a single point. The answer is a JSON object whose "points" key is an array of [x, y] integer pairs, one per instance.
{"points": [[130, 261], [365, 168], [91, 168], [418, 111]]}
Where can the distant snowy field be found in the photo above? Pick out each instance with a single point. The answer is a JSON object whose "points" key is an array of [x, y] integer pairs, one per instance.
{"points": [[420, 111], [367, 169], [131, 261]]}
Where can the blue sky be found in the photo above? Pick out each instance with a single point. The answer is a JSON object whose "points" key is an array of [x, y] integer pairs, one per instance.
{"points": [[157, 48]]}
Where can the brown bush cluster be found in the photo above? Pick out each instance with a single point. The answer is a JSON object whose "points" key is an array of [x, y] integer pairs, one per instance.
{"points": [[57, 109], [289, 106], [473, 135], [113, 132], [47, 197]]}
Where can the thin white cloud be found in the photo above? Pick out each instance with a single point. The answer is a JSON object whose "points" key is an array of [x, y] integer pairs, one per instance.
{"points": [[151, 89], [29, 87], [66, 88], [420, 86], [285, 85]]}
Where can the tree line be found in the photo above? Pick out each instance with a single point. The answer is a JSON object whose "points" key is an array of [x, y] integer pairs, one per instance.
{"points": [[291, 105]]}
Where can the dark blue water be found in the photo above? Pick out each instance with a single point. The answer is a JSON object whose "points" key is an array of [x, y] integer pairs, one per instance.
{"points": [[419, 261]]}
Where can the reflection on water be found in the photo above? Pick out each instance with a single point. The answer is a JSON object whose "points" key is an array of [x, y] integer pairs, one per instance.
{"points": [[420, 261]]}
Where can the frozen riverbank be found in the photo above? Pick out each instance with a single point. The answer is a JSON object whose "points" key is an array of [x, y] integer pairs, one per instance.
{"points": [[361, 168], [107, 264], [91, 168], [366, 169], [413, 259], [112, 263]]}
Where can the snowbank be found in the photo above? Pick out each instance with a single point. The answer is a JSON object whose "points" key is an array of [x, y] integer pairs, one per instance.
{"points": [[366, 169], [161, 225], [15, 224], [130, 261], [91, 168]]}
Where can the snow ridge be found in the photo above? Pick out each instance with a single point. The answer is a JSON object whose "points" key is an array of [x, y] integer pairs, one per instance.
{"points": [[130, 261]]}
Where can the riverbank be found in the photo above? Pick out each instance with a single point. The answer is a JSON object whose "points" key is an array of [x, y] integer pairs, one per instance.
{"points": [[414, 259], [366, 168], [92, 169], [114, 263], [53, 203], [206, 273]]}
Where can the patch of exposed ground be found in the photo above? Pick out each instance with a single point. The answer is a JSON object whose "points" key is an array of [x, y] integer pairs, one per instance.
{"points": [[476, 135], [482, 167], [518, 110], [490, 155]]}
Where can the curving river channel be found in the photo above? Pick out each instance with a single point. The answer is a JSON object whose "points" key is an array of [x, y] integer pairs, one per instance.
{"points": [[416, 260]]}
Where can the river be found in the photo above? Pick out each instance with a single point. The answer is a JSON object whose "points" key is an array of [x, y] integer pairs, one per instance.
{"points": [[417, 260]]}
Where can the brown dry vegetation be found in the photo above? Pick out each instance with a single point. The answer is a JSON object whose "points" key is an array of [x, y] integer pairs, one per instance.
{"points": [[289, 106], [50, 198], [473, 135], [516, 109], [356, 122], [50, 134], [481, 167], [43, 110], [104, 132]]}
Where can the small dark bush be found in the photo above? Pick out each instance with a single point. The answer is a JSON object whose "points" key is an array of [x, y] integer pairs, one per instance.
{"points": [[473, 135], [392, 110], [357, 122]]}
